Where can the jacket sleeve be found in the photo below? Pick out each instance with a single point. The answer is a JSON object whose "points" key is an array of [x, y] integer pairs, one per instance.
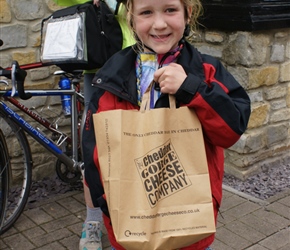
{"points": [[92, 175], [220, 102]]}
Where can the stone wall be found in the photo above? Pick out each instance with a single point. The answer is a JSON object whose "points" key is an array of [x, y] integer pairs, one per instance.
{"points": [[259, 60]]}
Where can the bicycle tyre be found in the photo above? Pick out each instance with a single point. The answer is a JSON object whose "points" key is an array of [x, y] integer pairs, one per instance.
{"points": [[20, 178], [4, 173]]}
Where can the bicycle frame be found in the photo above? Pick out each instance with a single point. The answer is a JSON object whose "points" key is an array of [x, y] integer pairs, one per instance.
{"points": [[40, 137], [19, 156]]}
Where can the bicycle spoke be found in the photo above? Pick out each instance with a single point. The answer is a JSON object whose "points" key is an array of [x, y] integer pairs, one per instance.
{"points": [[4, 173], [20, 176]]}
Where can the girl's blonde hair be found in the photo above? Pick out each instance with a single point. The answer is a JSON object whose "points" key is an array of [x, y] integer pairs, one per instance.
{"points": [[192, 17]]}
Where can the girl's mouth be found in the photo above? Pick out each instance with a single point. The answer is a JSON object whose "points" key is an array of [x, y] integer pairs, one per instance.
{"points": [[160, 37]]}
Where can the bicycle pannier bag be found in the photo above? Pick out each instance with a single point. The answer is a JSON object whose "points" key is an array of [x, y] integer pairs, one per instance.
{"points": [[82, 36], [155, 175]]}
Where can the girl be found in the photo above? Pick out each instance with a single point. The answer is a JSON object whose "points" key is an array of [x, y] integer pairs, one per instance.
{"points": [[91, 232], [198, 81]]}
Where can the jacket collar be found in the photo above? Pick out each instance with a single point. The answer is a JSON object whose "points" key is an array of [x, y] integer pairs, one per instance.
{"points": [[117, 75]]}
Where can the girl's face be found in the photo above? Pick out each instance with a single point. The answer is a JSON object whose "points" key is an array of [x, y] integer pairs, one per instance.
{"points": [[159, 24]]}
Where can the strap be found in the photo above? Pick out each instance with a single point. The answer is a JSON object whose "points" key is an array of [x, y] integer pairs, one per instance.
{"points": [[145, 104], [117, 8]]}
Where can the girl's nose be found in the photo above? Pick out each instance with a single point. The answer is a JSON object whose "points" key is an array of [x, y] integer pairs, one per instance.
{"points": [[159, 22]]}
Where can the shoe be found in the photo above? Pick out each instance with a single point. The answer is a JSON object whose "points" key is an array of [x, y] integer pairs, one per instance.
{"points": [[91, 236]]}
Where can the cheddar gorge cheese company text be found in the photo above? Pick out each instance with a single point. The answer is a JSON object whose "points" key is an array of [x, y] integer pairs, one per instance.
{"points": [[161, 173]]}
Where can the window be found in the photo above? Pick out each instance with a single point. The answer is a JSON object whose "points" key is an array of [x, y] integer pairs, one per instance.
{"points": [[246, 15]]}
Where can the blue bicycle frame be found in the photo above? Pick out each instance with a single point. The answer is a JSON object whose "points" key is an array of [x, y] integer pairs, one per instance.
{"points": [[46, 142]]}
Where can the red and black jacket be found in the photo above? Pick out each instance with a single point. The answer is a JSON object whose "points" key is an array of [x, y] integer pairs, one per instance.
{"points": [[220, 102]]}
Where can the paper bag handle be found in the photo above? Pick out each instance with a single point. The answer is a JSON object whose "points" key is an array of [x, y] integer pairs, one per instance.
{"points": [[145, 104]]}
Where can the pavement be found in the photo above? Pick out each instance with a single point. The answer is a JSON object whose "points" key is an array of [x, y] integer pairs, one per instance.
{"points": [[244, 222]]}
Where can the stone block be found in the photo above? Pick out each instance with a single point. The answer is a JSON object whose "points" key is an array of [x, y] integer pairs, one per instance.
{"points": [[251, 141], [24, 57], [276, 133], [249, 233], [47, 84], [278, 104], [288, 50], [13, 36], [258, 44], [60, 223], [274, 92], [281, 209], [34, 232], [259, 115], [229, 203], [256, 96], [264, 227], [38, 215], [277, 53], [214, 37], [246, 49], [212, 50], [285, 72], [5, 60], [280, 115], [18, 241], [5, 12], [277, 240], [39, 74], [271, 217], [281, 34], [36, 28], [24, 223], [288, 96], [52, 236], [45, 168], [28, 9], [244, 165], [73, 205], [265, 76], [231, 239], [71, 242], [243, 209]]}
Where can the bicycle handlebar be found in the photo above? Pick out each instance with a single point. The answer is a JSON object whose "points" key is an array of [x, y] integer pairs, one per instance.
{"points": [[17, 76], [18, 73]]}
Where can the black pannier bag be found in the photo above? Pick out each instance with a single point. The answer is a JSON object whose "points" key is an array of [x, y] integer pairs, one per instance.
{"points": [[82, 36]]}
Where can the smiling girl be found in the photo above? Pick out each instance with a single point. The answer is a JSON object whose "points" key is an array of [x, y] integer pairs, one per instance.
{"points": [[197, 81]]}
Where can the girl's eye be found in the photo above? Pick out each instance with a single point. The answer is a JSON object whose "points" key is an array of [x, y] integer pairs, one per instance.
{"points": [[170, 10], [146, 12]]}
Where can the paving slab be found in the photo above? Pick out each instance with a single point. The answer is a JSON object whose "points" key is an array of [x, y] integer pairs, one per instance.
{"points": [[244, 223]]}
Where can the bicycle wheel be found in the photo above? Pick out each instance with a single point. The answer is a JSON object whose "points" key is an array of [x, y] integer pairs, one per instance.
{"points": [[4, 173], [20, 162]]}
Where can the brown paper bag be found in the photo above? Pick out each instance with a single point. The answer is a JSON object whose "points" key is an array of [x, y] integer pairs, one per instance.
{"points": [[155, 177]]}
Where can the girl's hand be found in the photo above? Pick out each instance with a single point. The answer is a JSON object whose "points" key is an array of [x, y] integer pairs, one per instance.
{"points": [[170, 78], [97, 2]]}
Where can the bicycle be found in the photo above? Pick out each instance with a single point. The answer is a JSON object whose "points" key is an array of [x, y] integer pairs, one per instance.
{"points": [[19, 166], [3, 176]]}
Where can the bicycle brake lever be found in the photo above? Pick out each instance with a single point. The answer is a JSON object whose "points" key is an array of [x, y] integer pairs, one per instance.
{"points": [[3, 81], [13, 80], [18, 76]]}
